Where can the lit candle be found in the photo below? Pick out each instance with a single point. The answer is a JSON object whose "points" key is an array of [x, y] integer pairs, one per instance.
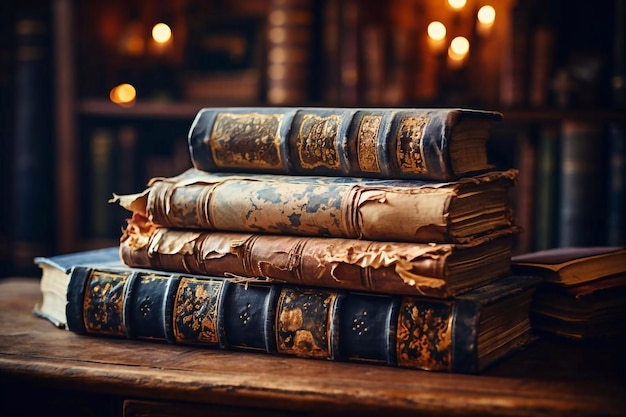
{"points": [[486, 17], [123, 94], [457, 51], [436, 36], [161, 35], [457, 4]]}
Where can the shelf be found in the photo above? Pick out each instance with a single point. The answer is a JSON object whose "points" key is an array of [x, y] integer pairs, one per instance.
{"points": [[185, 110], [171, 110]]}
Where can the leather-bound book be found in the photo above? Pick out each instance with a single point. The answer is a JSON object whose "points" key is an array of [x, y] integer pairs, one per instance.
{"points": [[436, 144]]}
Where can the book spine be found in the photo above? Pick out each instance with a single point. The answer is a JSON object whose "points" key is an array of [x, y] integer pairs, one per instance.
{"points": [[31, 193], [6, 130], [313, 323], [546, 201], [515, 67], [321, 208], [616, 206], [380, 143], [582, 195], [525, 189], [349, 66], [101, 183], [396, 268], [290, 41]]}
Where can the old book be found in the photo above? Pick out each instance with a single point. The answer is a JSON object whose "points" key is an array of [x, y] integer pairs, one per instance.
{"points": [[616, 187], [438, 144], [582, 184], [572, 265], [291, 45], [590, 310], [583, 295], [349, 207], [438, 270], [31, 141], [546, 192], [465, 334], [55, 277]]}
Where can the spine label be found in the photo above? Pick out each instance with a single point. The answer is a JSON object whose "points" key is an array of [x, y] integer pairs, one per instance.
{"points": [[247, 140], [318, 142], [409, 149]]}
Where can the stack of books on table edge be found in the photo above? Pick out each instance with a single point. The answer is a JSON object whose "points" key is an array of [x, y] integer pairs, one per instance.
{"points": [[393, 247]]}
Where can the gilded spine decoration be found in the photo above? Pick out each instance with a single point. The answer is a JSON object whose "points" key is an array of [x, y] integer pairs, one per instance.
{"points": [[246, 141], [409, 149], [318, 141], [424, 338], [196, 309], [103, 304], [367, 144], [304, 322]]}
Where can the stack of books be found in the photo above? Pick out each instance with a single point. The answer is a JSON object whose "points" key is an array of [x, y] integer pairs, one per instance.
{"points": [[380, 236], [583, 294]]}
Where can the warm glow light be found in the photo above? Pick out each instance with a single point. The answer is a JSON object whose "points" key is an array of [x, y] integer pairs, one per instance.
{"points": [[277, 35], [276, 71], [161, 33], [277, 18], [123, 94], [459, 46], [457, 4], [277, 55], [486, 15], [436, 31]]}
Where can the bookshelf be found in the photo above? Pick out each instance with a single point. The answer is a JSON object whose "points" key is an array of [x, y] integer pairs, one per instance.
{"points": [[359, 54]]}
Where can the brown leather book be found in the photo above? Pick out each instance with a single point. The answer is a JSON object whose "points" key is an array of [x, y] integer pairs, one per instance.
{"points": [[437, 270]]}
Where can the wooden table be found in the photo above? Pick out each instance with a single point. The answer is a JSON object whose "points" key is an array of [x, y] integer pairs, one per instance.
{"points": [[47, 370]]}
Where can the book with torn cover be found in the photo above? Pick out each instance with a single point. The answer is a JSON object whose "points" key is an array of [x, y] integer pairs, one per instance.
{"points": [[436, 270], [358, 208]]}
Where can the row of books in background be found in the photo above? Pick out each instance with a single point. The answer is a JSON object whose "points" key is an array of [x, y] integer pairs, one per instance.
{"points": [[572, 183], [358, 52], [365, 235]]}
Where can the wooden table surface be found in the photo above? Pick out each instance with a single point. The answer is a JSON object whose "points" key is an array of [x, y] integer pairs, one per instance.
{"points": [[549, 378]]}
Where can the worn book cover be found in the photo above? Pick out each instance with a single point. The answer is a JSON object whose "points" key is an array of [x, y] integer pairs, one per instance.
{"points": [[438, 144], [584, 292], [465, 334], [438, 270], [590, 310], [55, 276], [349, 207], [572, 265]]}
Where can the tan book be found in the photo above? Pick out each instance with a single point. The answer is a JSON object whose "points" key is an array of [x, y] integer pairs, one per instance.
{"points": [[347, 207]]}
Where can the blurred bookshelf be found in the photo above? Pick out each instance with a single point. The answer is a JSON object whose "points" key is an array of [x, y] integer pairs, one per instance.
{"points": [[531, 62]]}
